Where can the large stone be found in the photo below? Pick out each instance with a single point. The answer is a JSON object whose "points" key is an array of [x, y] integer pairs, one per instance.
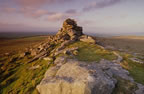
{"points": [[24, 54], [86, 38], [64, 44], [48, 58], [76, 77], [33, 52], [69, 23]]}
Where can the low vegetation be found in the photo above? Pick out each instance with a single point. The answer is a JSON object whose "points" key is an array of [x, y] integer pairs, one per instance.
{"points": [[136, 70], [91, 52], [18, 76], [124, 87]]}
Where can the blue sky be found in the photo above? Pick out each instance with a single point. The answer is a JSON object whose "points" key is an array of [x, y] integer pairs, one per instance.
{"points": [[96, 16]]}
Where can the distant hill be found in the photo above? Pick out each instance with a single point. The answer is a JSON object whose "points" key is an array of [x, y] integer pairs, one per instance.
{"points": [[130, 37], [4, 35]]}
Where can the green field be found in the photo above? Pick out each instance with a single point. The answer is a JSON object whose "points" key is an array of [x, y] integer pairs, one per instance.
{"points": [[91, 52]]}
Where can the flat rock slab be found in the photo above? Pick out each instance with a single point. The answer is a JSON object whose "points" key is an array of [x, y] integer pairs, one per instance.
{"points": [[76, 77]]}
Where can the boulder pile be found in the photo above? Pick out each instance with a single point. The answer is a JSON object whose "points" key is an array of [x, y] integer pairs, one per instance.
{"points": [[69, 33]]}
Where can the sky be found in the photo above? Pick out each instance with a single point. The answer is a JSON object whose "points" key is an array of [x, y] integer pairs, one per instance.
{"points": [[95, 16]]}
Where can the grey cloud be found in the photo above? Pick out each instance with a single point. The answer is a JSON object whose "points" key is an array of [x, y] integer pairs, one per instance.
{"points": [[71, 11], [101, 4], [38, 3]]}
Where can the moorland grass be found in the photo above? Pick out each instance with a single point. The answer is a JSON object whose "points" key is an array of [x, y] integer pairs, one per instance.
{"points": [[92, 52], [20, 79], [124, 86], [135, 69]]}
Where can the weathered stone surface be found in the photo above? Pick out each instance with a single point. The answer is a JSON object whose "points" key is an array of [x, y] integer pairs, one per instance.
{"points": [[75, 52], [60, 60], [68, 51], [33, 52], [24, 54], [140, 89], [114, 69], [34, 67], [48, 58], [137, 60], [119, 58], [6, 54], [86, 38], [64, 44], [71, 51], [76, 77]]}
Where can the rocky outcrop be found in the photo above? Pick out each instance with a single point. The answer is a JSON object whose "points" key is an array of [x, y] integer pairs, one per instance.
{"points": [[69, 33]]}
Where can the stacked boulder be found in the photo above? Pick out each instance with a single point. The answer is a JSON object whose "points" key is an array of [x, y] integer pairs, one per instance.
{"points": [[69, 31]]}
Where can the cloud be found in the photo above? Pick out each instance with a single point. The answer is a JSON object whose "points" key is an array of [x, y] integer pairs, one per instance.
{"points": [[61, 16], [38, 13], [37, 3], [27, 12], [31, 3], [34, 13], [57, 17], [9, 10], [100, 4], [5, 26], [31, 8], [71, 11]]}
